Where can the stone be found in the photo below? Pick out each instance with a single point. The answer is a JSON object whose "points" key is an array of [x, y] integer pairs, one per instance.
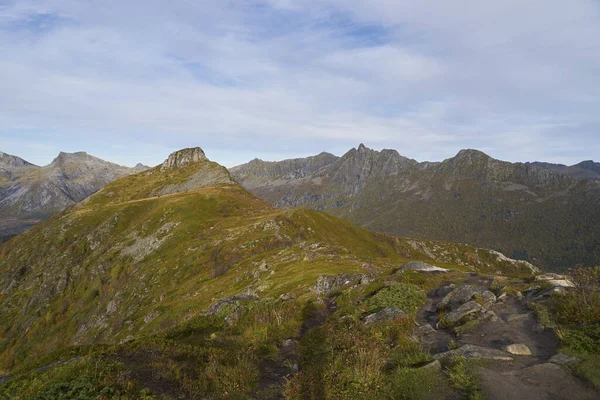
{"points": [[436, 365], [473, 352], [445, 290], [386, 314], [555, 280], [287, 296], [422, 267], [538, 328], [490, 316], [518, 349], [518, 317], [488, 298], [327, 284], [425, 329], [288, 348], [502, 297], [460, 295], [183, 157], [563, 359], [467, 311]]}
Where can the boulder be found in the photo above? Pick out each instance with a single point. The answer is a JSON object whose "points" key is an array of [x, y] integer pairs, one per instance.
{"points": [[386, 314], [435, 365], [488, 298], [425, 329], [473, 352], [467, 311], [327, 284], [555, 280], [420, 266], [518, 349], [460, 295], [445, 290], [563, 359]]}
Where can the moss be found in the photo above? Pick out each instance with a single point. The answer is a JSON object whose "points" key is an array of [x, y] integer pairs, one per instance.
{"points": [[406, 297]]}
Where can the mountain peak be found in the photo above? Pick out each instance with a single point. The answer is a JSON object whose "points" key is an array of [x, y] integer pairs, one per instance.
{"points": [[362, 148], [10, 161], [181, 158], [471, 153]]}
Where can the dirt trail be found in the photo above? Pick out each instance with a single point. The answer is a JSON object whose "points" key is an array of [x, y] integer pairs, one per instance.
{"points": [[526, 377], [275, 372]]}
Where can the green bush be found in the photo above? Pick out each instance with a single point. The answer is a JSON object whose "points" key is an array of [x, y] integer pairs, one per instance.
{"points": [[409, 298]]}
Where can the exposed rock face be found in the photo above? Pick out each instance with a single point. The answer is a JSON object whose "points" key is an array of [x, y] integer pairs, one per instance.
{"points": [[465, 312], [555, 280], [460, 295], [386, 314], [29, 193], [518, 349], [181, 158], [563, 359], [326, 284], [420, 266], [470, 198], [473, 352]]}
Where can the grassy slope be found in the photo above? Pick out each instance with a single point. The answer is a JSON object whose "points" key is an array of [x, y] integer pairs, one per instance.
{"points": [[125, 265]]}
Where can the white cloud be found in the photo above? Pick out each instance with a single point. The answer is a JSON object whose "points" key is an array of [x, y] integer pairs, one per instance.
{"points": [[291, 77]]}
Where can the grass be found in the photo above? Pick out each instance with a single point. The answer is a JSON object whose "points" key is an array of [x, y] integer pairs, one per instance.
{"points": [[463, 378], [406, 297]]}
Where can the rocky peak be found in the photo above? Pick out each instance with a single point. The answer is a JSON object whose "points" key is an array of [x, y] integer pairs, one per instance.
{"points": [[181, 158], [471, 154], [8, 161]]}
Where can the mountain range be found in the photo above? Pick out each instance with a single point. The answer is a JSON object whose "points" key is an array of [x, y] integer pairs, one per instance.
{"points": [[178, 283], [548, 214], [30, 194]]}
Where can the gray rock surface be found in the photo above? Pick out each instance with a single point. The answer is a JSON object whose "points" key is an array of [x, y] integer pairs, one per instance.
{"points": [[518, 349], [327, 284], [469, 310], [420, 266], [460, 295], [473, 352], [386, 314], [563, 359]]}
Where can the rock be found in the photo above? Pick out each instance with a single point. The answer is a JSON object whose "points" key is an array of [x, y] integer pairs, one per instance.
{"points": [[425, 329], [490, 316], [287, 296], [518, 349], [436, 365], [420, 266], [288, 348], [555, 280], [460, 295], [553, 291], [184, 157], [467, 311], [503, 296], [327, 284], [488, 298], [233, 301], [473, 352], [387, 314], [563, 359], [538, 328], [445, 290], [365, 280], [517, 317]]}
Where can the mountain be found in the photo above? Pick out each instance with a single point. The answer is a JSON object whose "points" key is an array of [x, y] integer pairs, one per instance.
{"points": [[175, 249], [583, 170], [527, 211], [29, 194]]}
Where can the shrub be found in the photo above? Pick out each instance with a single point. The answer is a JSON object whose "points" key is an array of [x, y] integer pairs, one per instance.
{"points": [[409, 298]]}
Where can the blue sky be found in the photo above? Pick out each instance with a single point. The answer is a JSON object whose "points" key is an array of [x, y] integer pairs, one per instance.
{"points": [[131, 81]]}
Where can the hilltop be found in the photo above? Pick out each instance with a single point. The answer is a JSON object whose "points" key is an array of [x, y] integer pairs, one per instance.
{"points": [[533, 212], [30, 194], [180, 250]]}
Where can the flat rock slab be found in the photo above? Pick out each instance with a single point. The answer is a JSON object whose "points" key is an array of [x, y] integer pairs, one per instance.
{"points": [[563, 359], [460, 295], [518, 349], [387, 314], [473, 352], [518, 317], [420, 266], [469, 310], [539, 382]]}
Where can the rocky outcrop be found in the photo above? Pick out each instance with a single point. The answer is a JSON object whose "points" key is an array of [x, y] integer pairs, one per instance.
{"points": [[473, 352], [386, 314], [468, 311], [518, 349], [419, 266], [327, 284], [184, 157]]}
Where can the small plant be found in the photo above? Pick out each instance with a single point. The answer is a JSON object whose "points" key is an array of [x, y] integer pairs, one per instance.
{"points": [[408, 298], [463, 379]]}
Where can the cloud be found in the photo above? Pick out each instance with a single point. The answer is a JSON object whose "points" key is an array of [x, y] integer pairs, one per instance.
{"points": [[284, 78]]}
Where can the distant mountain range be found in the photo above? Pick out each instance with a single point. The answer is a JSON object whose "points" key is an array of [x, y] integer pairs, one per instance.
{"points": [[548, 214], [29, 193]]}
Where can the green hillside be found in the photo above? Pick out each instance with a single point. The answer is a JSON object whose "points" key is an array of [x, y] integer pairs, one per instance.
{"points": [[128, 276]]}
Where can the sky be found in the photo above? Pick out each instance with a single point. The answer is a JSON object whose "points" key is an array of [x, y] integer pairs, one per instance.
{"points": [[131, 81]]}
